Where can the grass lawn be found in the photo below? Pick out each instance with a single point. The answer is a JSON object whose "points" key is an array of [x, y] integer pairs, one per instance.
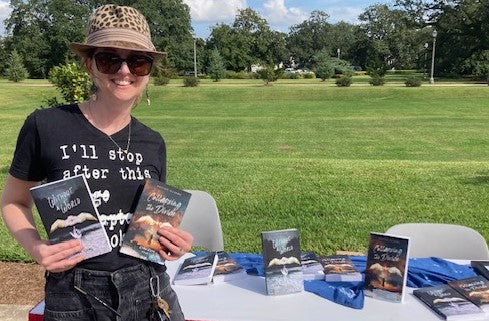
{"points": [[336, 163]]}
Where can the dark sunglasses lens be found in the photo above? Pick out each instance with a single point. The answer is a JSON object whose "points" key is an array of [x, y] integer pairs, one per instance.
{"points": [[140, 65], [108, 63]]}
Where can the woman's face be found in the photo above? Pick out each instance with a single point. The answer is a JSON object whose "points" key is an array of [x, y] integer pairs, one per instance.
{"points": [[120, 84]]}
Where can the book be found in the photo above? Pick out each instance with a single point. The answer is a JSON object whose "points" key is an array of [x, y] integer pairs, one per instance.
{"points": [[281, 259], [339, 268], [474, 289], [67, 212], [227, 268], [387, 265], [158, 205], [448, 303], [196, 270], [481, 267], [312, 269]]}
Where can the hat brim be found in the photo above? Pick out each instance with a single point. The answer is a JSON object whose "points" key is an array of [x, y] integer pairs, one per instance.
{"points": [[84, 49]]}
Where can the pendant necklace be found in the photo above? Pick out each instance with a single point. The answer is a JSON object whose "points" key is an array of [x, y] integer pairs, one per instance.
{"points": [[128, 136]]}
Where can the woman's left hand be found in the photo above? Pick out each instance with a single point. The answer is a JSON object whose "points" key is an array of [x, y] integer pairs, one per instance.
{"points": [[176, 241]]}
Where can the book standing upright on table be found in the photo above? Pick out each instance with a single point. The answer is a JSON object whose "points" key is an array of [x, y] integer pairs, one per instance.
{"points": [[449, 303], [482, 267], [159, 205], [282, 263], [387, 264], [67, 212], [339, 268], [196, 270]]}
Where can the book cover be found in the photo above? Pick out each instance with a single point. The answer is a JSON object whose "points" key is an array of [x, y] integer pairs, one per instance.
{"points": [[312, 269], [475, 289], [387, 264], [227, 269], [339, 268], [67, 212], [481, 267], [196, 270], [159, 205], [281, 259], [448, 303]]}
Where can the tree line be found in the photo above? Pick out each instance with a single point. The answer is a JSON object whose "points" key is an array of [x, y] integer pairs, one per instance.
{"points": [[398, 36]]}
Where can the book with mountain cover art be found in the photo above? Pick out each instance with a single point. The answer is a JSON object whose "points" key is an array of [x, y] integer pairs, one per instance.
{"points": [[387, 264], [196, 270], [159, 205], [448, 303], [67, 212], [282, 262]]}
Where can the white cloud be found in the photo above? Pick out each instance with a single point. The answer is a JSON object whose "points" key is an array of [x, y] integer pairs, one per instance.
{"points": [[214, 10], [277, 13], [5, 11], [347, 14]]}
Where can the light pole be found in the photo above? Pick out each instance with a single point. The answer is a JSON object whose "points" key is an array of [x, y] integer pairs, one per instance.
{"points": [[195, 58], [425, 60], [338, 51], [432, 80]]}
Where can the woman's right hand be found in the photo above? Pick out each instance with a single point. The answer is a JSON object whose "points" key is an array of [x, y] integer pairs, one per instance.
{"points": [[58, 257]]}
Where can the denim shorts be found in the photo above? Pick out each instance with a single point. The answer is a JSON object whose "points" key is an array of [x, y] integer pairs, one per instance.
{"points": [[126, 290]]}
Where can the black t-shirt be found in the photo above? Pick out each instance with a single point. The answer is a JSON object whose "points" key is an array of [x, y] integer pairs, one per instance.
{"points": [[60, 142]]}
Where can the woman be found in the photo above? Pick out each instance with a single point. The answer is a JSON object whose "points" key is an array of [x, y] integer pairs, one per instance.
{"points": [[115, 152]]}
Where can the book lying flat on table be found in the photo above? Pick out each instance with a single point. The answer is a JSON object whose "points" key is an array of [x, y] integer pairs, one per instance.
{"points": [[339, 268], [474, 289], [387, 265], [227, 269], [311, 268], [196, 270], [282, 262], [67, 212], [449, 303], [159, 205]]}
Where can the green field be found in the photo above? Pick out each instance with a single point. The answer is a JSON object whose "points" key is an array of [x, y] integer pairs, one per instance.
{"points": [[336, 163]]}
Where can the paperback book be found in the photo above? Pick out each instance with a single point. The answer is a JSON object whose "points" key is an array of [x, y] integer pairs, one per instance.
{"points": [[67, 212], [159, 205], [387, 264], [312, 269], [281, 258], [448, 303], [227, 269], [196, 270], [339, 268], [475, 289]]}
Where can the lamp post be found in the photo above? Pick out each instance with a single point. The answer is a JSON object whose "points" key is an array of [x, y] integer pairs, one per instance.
{"points": [[338, 51], [195, 57], [432, 80], [425, 59]]}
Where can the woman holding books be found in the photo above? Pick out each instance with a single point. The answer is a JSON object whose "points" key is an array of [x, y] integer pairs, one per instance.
{"points": [[116, 153]]}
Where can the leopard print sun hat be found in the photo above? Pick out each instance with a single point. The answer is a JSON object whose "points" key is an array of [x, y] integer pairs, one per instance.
{"points": [[113, 26]]}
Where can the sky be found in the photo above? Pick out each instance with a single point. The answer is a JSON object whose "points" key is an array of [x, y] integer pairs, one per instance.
{"points": [[280, 14]]}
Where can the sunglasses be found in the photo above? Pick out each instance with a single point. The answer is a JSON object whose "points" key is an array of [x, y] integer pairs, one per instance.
{"points": [[110, 63]]}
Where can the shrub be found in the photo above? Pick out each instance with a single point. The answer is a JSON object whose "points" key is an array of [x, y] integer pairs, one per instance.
{"points": [[343, 81], [238, 75], [309, 75], [325, 70], [163, 73], [269, 74], [72, 80], [190, 81], [160, 80], [16, 71], [377, 80], [413, 81]]}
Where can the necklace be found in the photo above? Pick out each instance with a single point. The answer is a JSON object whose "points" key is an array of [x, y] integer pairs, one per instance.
{"points": [[126, 150]]}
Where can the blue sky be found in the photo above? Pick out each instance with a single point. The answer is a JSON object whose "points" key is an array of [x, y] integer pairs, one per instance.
{"points": [[280, 14]]}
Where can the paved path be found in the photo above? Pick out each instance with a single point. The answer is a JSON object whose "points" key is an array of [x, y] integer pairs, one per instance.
{"points": [[10, 312]]}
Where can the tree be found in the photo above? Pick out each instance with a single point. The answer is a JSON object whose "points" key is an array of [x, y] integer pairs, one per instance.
{"points": [[478, 65], [308, 38], [324, 65], [216, 66], [269, 74], [16, 71]]}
